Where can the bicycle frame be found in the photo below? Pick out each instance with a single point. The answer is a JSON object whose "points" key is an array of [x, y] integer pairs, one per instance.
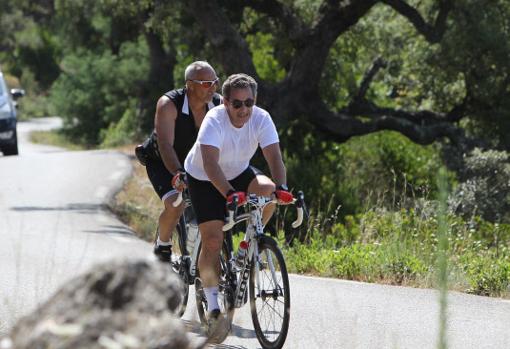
{"points": [[254, 230]]}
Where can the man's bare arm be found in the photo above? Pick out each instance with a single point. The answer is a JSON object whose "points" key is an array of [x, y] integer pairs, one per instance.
{"points": [[273, 156], [166, 114]]}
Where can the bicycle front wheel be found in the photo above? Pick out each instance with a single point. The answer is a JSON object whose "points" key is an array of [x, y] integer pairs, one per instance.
{"points": [[270, 295]]}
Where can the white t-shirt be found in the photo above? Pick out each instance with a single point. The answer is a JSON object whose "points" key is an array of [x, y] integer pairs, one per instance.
{"points": [[237, 145]]}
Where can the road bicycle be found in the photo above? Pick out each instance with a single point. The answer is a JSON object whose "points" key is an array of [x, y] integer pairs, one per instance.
{"points": [[262, 270]]}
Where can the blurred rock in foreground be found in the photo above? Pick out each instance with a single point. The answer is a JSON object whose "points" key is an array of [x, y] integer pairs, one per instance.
{"points": [[119, 305]]}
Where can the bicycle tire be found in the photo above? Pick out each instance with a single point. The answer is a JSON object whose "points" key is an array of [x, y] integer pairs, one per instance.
{"points": [[225, 294], [275, 300], [179, 266]]}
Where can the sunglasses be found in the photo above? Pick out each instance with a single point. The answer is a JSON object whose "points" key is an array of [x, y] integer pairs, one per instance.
{"points": [[236, 103], [206, 83]]}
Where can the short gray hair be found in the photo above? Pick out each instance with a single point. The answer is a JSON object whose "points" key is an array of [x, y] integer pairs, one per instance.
{"points": [[189, 73], [238, 81]]}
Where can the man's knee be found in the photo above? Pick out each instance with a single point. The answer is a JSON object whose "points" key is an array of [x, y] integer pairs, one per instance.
{"points": [[170, 210], [212, 236], [212, 245], [262, 185]]}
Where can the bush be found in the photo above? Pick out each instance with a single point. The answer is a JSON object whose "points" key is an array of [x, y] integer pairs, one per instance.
{"points": [[485, 187], [123, 131], [383, 169], [488, 275], [95, 91], [402, 247]]}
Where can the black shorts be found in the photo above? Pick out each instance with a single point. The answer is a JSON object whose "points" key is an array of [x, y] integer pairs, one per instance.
{"points": [[160, 178], [208, 203]]}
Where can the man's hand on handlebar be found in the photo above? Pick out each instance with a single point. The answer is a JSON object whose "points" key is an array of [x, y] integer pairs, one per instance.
{"points": [[179, 181], [241, 197], [283, 195]]}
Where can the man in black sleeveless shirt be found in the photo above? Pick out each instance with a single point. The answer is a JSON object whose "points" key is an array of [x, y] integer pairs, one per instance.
{"points": [[179, 114]]}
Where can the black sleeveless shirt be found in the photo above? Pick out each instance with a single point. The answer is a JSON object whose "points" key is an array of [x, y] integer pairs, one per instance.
{"points": [[185, 130]]}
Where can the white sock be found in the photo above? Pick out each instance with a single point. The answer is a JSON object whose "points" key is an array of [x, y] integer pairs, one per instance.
{"points": [[211, 294], [164, 243]]}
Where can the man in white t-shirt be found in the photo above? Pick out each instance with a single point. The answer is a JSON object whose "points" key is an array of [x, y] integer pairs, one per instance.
{"points": [[218, 167]]}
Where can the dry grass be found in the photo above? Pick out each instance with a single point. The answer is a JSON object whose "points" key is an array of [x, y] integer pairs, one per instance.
{"points": [[137, 204]]}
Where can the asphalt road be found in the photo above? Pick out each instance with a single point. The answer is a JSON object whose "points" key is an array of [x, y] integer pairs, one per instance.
{"points": [[53, 225]]}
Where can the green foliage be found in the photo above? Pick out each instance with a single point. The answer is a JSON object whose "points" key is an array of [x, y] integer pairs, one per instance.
{"points": [[123, 131], [485, 186], [261, 46], [34, 106], [488, 274], [95, 91], [378, 169], [479, 30], [402, 248], [364, 262]]}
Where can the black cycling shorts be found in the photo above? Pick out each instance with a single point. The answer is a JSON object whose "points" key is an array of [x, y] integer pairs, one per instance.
{"points": [[208, 203], [160, 178]]}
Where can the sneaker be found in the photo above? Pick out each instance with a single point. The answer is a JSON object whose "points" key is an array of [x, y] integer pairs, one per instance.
{"points": [[217, 327], [164, 253]]}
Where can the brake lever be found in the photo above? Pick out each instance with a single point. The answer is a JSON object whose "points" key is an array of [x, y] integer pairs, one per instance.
{"points": [[300, 207], [232, 210], [302, 203], [177, 201]]}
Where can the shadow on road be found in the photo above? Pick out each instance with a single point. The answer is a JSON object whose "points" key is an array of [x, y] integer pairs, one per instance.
{"points": [[237, 331], [111, 229], [242, 332], [80, 207]]}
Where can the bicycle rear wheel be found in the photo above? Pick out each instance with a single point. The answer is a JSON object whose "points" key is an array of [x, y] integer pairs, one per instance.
{"points": [[270, 295]]}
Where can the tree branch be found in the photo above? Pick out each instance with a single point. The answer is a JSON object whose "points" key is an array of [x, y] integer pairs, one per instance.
{"points": [[432, 34], [335, 18], [341, 126], [367, 79], [293, 25]]}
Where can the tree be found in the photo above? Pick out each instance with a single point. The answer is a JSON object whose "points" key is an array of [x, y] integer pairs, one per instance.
{"points": [[109, 24], [306, 44], [27, 42]]}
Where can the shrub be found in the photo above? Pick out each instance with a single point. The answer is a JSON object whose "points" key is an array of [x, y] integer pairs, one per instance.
{"points": [[485, 186], [488, 275], [95, 90], [123, 131]]}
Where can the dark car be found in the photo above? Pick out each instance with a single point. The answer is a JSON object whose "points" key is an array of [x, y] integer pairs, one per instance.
{"points": [[8, 135]]}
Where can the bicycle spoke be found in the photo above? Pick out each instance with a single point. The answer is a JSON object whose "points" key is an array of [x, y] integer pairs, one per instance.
{"points": [[270, 320], [275, 311]]}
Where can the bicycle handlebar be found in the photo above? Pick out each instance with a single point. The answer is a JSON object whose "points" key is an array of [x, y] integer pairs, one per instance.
{"points": [[177, 201], [261, 201]]}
